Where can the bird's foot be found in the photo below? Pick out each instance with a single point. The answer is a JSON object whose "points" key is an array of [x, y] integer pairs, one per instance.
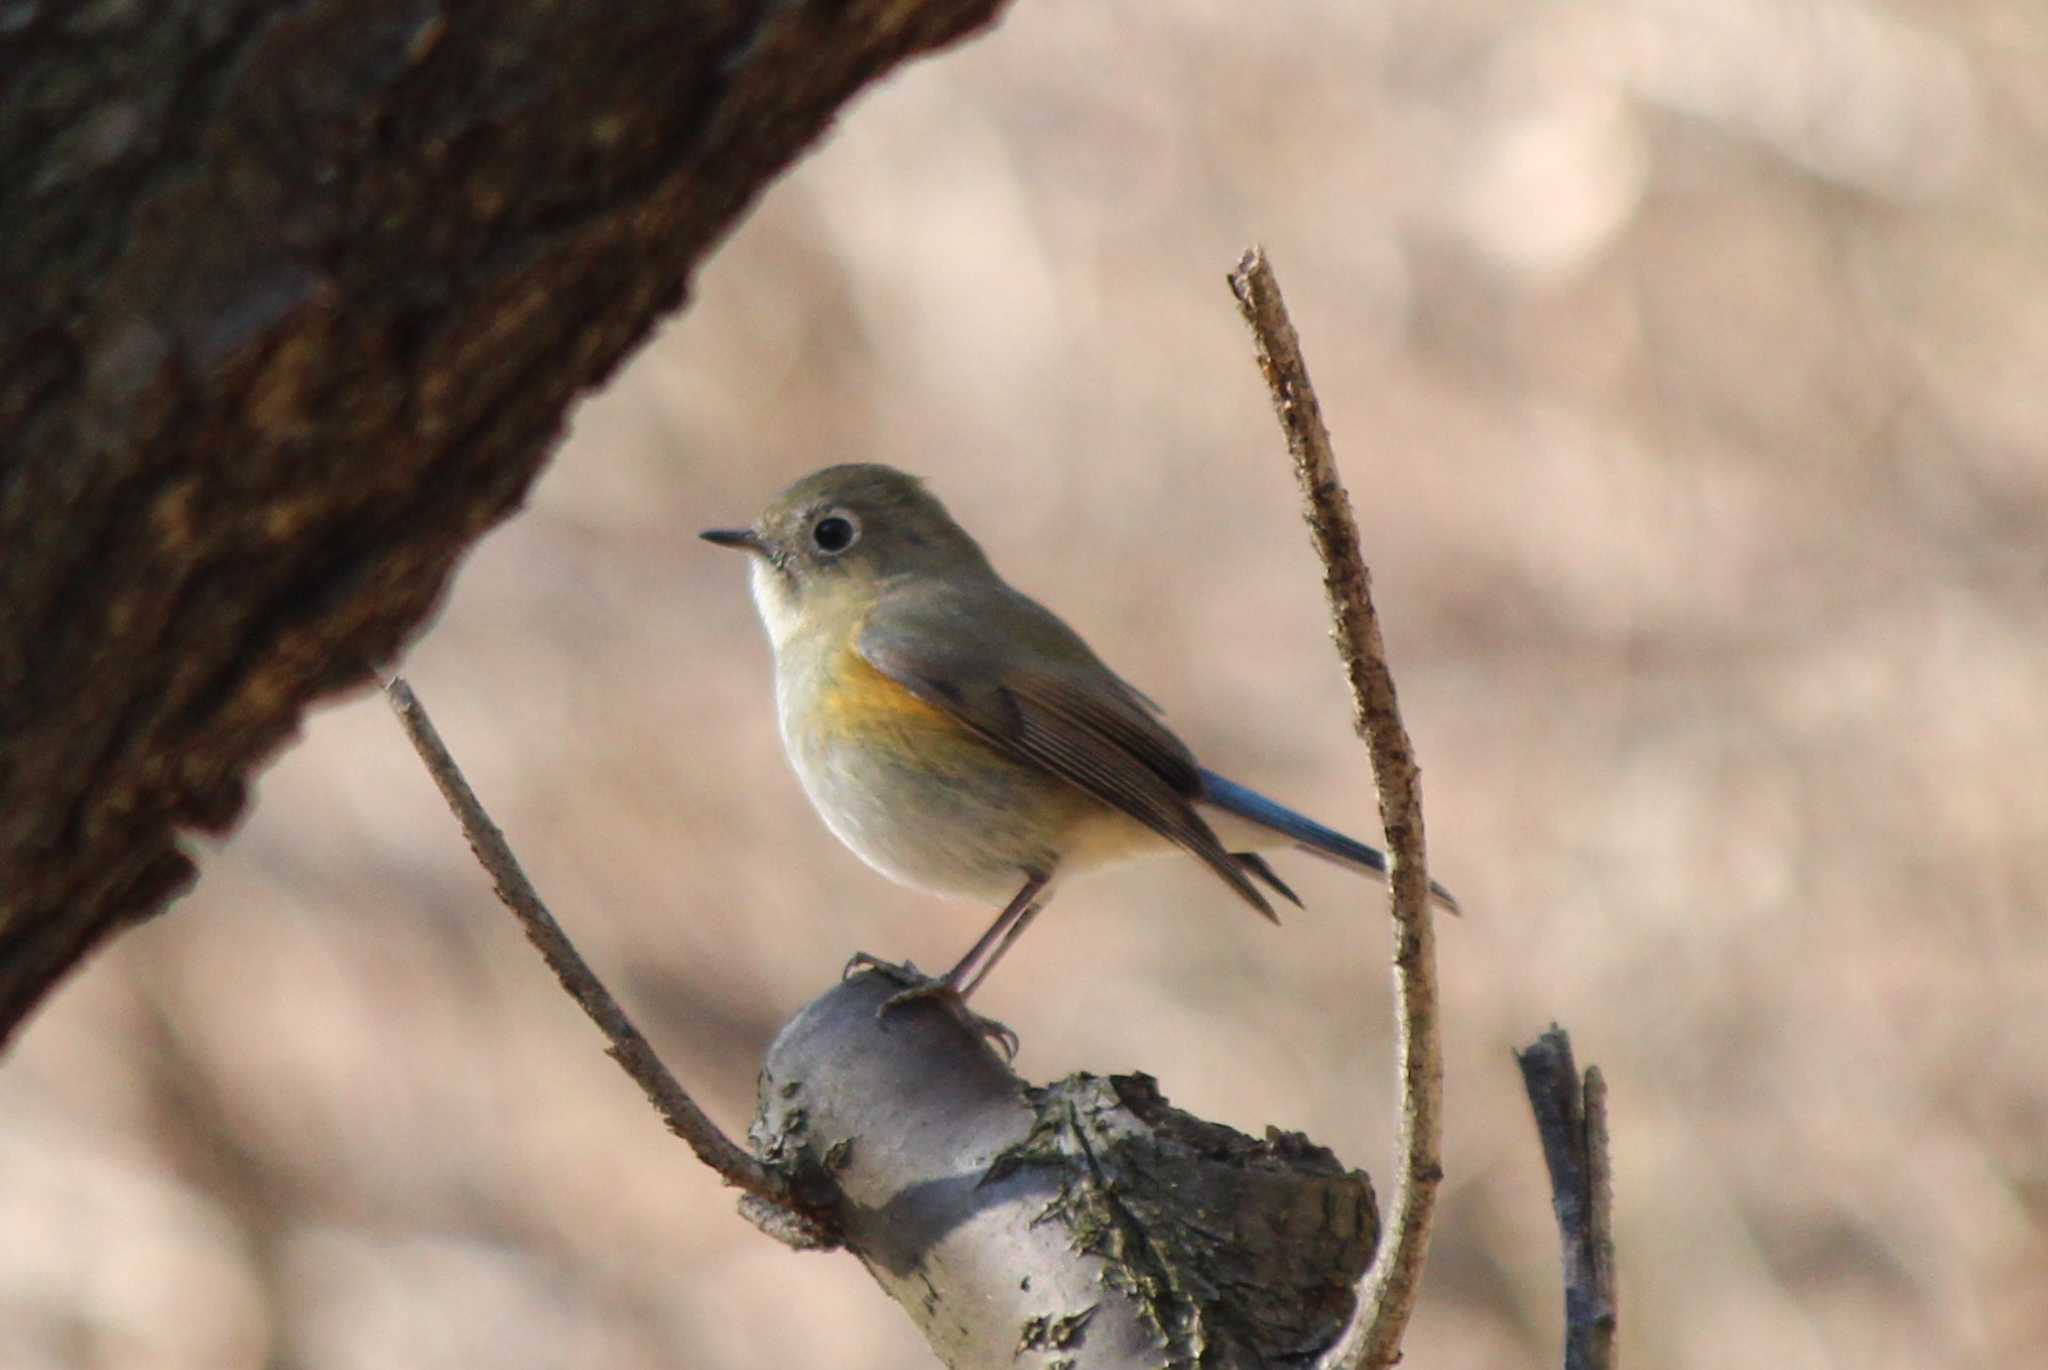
{"points": [[950, 999], [917, 987]]}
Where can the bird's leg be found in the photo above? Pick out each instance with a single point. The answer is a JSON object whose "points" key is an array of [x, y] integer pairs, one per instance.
{"points": [[1010, 934], [1010, 922], [1018, 912]]}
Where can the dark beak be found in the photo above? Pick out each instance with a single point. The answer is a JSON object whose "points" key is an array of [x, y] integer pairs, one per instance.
{"points": [[745, 538]]}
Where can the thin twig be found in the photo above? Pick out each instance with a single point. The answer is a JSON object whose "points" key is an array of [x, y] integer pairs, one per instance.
{"points": [[1387, 1294], [1571, 1120], [765, 1188]]}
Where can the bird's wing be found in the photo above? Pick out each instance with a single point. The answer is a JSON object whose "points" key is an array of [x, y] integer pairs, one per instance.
{"points": [[1025, 683]]}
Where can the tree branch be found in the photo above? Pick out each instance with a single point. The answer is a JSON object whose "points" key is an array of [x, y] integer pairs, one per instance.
{"points": [[1087, 1225], [624, 1042], [1374, 1339], [1571, 1120], [1084, 1225]]}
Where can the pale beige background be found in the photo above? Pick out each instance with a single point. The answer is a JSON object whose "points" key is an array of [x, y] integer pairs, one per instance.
{"points": [[1689, 363]]}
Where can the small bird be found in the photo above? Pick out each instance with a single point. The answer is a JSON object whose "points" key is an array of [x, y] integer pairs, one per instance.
{"points": [[962, 739]]}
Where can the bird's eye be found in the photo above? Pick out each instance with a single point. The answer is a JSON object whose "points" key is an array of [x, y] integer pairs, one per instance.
{"points": [[835, 532]]}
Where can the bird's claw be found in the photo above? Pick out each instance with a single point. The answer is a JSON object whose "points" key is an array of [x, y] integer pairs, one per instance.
{"points": [[917, 986], [903, 973]]}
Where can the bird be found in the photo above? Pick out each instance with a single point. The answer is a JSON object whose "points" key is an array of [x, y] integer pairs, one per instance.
{"points": [[960, 738]]}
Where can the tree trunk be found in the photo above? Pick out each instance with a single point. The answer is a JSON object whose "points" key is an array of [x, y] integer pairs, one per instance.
{"points": [[294, 295]]}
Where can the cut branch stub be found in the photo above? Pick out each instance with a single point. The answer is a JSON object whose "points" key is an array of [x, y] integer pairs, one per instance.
{"points": [[1088, 1224]]}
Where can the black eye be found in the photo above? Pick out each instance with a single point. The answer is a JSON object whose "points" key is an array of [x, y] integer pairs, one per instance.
{"points": [[834, 533]]}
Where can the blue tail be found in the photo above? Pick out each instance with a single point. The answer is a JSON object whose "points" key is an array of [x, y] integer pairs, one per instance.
{"points": [[1310, 835]]}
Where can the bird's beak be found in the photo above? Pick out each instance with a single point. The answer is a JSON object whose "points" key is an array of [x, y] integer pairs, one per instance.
{"points": [[745, 538]]}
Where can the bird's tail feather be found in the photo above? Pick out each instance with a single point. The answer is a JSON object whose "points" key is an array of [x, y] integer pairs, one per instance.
{"points": [[1304, 832]]}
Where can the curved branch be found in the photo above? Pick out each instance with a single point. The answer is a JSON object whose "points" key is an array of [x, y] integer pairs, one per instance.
{"points": [[624, 1042], [1388, 1293], [1089, 1223]]}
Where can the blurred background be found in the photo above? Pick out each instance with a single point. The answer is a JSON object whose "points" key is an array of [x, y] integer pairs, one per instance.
{"points": [[1689, 366]]}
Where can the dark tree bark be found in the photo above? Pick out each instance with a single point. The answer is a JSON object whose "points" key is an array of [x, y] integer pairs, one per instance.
{"points": [[294, 295]]}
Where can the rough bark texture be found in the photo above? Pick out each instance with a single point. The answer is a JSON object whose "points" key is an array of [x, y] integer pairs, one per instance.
{"points": [[1087, 1225], [293, 299]]}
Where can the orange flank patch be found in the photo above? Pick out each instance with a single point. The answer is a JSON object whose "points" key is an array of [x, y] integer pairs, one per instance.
{"points": [[861, 699], [866, 708]]}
